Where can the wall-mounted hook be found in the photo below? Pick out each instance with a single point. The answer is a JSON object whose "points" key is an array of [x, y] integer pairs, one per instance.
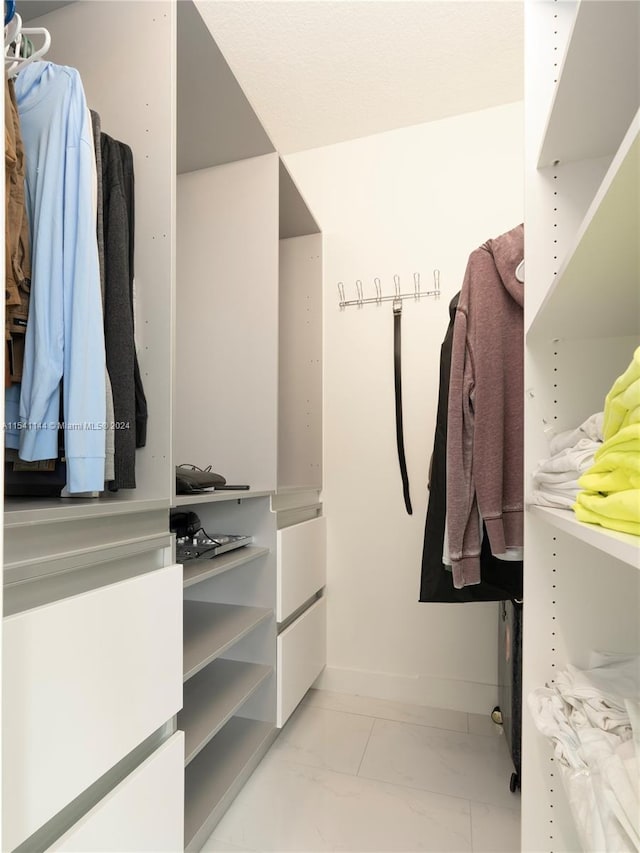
{"points": [[396, 296], [397, 301]]}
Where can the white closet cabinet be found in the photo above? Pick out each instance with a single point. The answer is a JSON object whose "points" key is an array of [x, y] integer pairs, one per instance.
{"points": [[300, 607], [92, 632], [248, 402], [72, 668], [582, 320], [301, 529], [142, 814], [109, 648]]}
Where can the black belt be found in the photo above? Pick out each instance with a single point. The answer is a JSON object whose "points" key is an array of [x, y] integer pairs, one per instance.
{"points": [[397, 352]]}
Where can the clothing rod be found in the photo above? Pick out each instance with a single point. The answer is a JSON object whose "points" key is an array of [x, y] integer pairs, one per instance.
{"points": [[379, 299]]}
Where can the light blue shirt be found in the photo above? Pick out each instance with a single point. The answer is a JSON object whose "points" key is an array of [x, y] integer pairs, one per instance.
{"points": [[65, 331]]}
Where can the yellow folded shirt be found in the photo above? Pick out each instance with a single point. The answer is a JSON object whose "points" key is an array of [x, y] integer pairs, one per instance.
{"points": [[616, 480], [628, 460], [623, 397], [617, 511], [627, 439], [583, 514], [616, 465], [632, 417]]}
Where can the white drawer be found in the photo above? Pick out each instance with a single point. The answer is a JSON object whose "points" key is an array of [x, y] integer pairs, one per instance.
{"points": [[144, 813], [302, 655], [302, 559], [86, 679]]}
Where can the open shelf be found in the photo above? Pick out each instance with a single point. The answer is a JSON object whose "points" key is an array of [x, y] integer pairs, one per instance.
{"points": [[214, 777], [595, 293], [622, 546], [213, 696], [195, 571], [43, 510], [209, 497], [210, 629], [601, 67]]}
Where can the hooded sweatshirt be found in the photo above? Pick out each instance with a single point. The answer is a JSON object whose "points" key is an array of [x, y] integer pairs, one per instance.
{"points": [[486, 411]]}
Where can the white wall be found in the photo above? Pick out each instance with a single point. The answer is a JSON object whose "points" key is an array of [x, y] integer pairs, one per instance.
{"points": [[409, 200]]}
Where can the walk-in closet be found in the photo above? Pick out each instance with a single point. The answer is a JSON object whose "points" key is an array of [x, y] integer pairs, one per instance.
{"points": [[322, 426]]}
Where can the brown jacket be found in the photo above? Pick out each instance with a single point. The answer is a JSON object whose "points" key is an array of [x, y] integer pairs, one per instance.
{"points": [[17, 251], [486, 409]]}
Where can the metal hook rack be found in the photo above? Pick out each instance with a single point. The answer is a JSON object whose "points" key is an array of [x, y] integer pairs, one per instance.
{"points": [[397, 297]]}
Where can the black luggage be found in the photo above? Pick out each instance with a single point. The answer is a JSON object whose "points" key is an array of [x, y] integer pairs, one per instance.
{"points": [[509, 712]]}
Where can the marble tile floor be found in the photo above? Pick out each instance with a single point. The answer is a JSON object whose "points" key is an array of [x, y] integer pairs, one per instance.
{"points": [[360, 775]]}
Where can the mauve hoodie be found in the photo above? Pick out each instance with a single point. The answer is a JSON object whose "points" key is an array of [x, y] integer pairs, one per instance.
{"points": [[486, 409]]}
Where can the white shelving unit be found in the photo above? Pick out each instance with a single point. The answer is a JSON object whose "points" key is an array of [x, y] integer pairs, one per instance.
{"points": [[216, 775], [210, 629], [602, 51], [248, 402], [582, 316], [100, 569], [203, 569], [622, 546], [228, 714], [602, 259], [229, 344], [213, 696]]}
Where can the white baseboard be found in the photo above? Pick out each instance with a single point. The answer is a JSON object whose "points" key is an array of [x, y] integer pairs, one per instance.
{"points": [[470, 696]]}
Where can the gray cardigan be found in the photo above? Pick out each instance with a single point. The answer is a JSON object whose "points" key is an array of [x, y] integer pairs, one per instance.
{"points": [[117, 189]]}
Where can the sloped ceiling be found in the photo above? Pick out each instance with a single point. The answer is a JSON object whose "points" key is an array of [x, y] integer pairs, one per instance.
{"points": [[324, 71]]}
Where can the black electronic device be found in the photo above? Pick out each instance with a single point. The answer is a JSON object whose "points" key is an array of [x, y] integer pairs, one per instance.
{"points": [[193, 542]]}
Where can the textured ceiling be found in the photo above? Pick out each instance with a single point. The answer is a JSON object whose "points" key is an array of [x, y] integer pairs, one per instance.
{"points": [[323, 71]]}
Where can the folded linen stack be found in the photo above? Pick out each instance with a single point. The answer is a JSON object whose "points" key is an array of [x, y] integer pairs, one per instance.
{"points": [[611, 495], [555, 481], [593, 719]]}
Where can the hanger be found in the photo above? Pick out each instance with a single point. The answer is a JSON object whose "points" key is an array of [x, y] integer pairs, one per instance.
{"points": [[520, 272], [16, 50]]}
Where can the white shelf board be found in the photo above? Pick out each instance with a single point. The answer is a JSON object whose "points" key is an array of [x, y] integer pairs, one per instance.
{"points": [[214, 777], [195, 571], [596, 292], [211, 497], [622, 546], [210, 629], [213, 696], [28, 511], [598, 89], [295, 497]]}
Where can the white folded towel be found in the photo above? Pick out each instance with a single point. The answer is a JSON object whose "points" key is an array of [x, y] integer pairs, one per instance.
{"points": [[559, 498], [591, 428]]}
